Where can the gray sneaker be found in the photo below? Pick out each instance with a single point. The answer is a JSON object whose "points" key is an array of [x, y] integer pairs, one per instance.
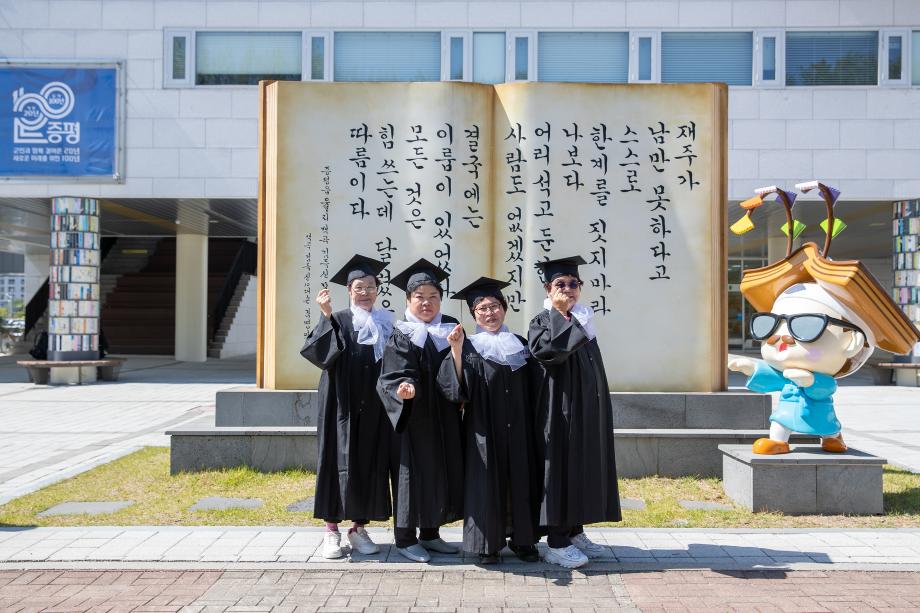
{"points": [[416, 553], [361, 542], [439, 545], [566, 557], [589, 547]]}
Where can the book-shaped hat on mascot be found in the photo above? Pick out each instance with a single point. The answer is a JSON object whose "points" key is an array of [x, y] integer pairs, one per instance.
{"points": [[848, 281]]}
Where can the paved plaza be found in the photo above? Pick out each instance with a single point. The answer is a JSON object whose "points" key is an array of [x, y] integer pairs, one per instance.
{"points": [[51, 433], [462, 591]]}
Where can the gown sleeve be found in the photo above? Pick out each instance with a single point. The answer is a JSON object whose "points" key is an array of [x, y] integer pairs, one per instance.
{"points": [[398, 364], [823, 387], [325, 343], [766, 379], [454, 388], [552, 338]]}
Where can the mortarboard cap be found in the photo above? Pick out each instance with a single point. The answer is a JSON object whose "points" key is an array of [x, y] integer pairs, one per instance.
{"points": [[357, 267], [483, 286], [560, 267], [421, 272]]}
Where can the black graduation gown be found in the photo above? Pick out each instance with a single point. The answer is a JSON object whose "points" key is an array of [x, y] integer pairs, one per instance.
{"points": [[574, 425], [352, 472], [429, 489], [498, 426]]}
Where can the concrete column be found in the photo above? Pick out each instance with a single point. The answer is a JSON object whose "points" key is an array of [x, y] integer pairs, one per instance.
{"points": [[36, 268], [776, 247], [191, 297]]}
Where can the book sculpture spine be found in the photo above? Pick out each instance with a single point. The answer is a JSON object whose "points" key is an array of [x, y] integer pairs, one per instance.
{"points": [[906, 262], [73, 290]]}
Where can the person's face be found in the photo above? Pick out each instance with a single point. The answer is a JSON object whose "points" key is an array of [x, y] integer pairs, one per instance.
{"points": [[424, 302], [363, 292], [569, 285], [826, 354], [489, 314]]}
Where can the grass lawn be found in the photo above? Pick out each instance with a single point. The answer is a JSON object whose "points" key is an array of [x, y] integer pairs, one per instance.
{"points": [[162, 499]]}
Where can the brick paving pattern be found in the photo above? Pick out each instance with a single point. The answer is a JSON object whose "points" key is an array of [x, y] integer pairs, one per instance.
{"points": [[769, 591], [465, 591]]}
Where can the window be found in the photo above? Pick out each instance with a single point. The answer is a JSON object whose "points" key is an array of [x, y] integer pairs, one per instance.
{"points": [[489, 57], [893, 54], [387, 56], [643, 58], [768, 58], [831, 58], [245, 58], [589, 57], [317, 56], [702, 57], [177, 55], [915, 58], [521, 57], [456, 56]]}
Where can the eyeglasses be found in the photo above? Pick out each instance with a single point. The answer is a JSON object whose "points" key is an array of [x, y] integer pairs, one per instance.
{"points": [[488, 308], [804, 327], [570, 284], [365, 291]]}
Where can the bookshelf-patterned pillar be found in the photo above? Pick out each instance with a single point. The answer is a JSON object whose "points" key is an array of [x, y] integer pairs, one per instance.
{"points": [[907, 262], [73, 291]]}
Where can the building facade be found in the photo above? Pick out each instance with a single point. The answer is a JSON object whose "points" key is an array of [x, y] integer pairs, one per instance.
{"points": [[818, 89]]}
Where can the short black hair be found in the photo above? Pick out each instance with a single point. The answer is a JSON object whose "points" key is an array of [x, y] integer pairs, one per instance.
{"points": [[434, 285], [498, 296]]}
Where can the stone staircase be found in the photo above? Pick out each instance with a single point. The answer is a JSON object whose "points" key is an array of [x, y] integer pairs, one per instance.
{"points": [[128, 256], [215, 346]]}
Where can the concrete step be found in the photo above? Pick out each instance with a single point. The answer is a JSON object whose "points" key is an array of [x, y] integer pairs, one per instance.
{"points": [[264, 449], [639, 453], [669, 410], [680, 452]]}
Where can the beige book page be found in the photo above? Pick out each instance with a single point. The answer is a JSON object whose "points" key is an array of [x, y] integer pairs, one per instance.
{"points": [[631, 178], [393, 171]]}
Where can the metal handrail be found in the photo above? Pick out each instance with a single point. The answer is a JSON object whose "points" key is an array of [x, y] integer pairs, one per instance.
{"points": [[244, 262]]}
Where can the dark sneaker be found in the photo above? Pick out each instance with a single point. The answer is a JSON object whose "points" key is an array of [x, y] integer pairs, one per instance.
{"points": [[488, 558], [527, 553]]}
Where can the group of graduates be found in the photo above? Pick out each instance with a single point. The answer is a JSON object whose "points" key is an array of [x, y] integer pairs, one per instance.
{"points": [[514, 436]]}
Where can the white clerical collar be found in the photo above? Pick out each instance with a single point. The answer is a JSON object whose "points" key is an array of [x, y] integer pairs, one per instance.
{"points": [[502, 347]]}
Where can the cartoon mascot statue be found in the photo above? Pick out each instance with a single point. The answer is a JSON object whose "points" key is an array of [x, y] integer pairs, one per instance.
{"points": [[818, 320]]}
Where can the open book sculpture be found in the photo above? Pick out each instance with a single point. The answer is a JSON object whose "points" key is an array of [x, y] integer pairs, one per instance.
{"points": [[491, 180], [818, 320]]}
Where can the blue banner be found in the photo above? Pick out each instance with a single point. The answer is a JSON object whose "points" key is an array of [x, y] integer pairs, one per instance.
{"points": [[58, 121]]}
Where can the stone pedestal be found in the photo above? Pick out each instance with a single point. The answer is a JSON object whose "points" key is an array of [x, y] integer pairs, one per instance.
{"points": [[264, 449], [72, 375], [805, 481]]}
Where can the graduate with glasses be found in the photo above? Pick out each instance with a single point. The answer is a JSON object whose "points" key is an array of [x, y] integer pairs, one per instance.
{"points": [[352, 475], [490, 372], [574, 419], [429, 489]]}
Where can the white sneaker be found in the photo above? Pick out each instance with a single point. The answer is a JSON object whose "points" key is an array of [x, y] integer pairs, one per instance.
{"points": [[566, 557], [588, 547], [332, 545], [361, 542]]}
